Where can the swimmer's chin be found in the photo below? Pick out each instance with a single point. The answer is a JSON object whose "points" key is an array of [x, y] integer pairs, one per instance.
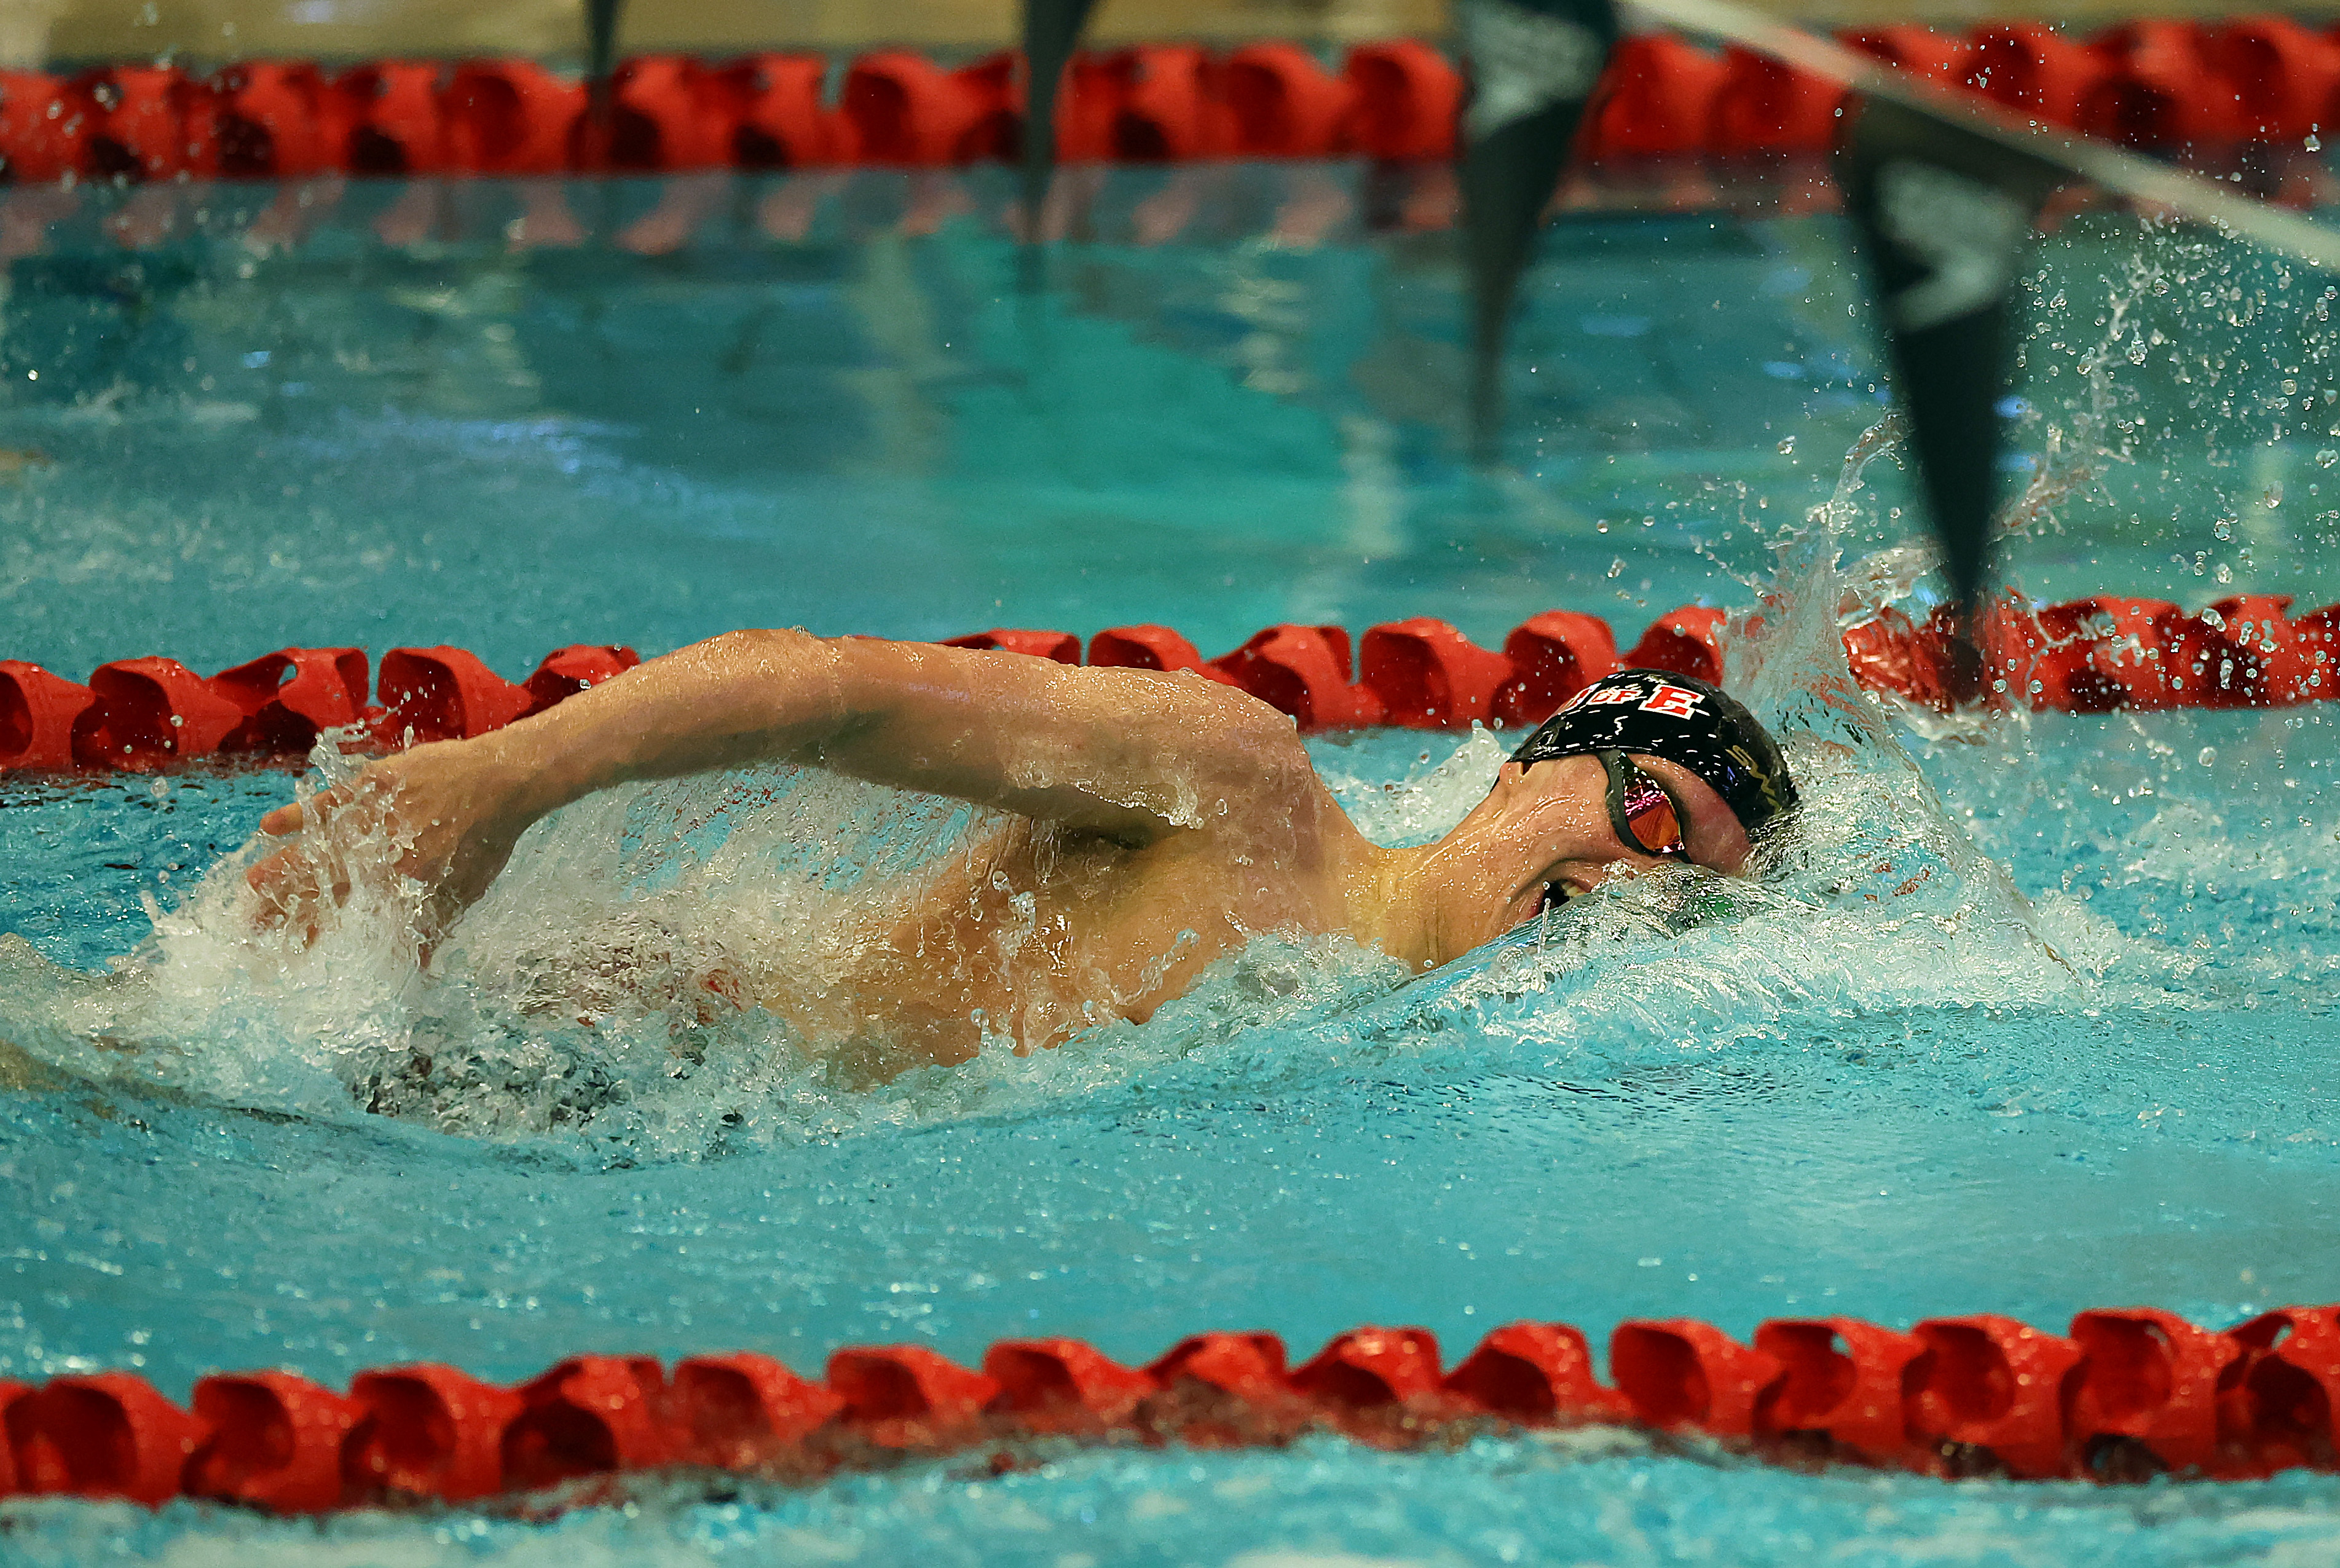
{"points": [[1540, 897]]}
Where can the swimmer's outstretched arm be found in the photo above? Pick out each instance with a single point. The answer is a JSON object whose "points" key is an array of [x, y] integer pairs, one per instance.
{"points": [[1127, 754]]}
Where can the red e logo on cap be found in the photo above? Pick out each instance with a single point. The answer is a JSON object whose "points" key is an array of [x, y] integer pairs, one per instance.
{"points": [[1675, 702]]}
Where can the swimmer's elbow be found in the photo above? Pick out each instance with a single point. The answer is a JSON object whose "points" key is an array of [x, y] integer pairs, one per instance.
{"points": [[1246, 749], [1257, 735], [759, 647], [773, 672], [739, 697]]}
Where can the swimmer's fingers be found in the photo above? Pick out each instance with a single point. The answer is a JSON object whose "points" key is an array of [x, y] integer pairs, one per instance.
{"points": [[313, 813], [292, 816], [295, 890], [288, 818], [297, 883], [283, 877], [278, 876]]}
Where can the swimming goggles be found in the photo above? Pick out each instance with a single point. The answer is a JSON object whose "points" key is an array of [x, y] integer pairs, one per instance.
{"points": [[1644, 813]]}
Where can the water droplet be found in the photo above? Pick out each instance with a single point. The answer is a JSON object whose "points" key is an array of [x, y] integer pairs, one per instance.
{"points": [[1787, 446], [2326, 458], [2209, 757], [2314, 144]]}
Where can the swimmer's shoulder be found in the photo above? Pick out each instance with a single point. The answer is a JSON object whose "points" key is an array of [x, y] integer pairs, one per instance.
{"points": [[1184, 713], [1263, 762]]}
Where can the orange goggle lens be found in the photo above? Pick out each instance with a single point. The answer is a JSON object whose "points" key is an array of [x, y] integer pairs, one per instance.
{"points": [[1641, 810]]}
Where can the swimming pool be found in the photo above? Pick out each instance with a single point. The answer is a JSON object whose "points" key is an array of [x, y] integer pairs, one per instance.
{"points": [[2094, 1080]]}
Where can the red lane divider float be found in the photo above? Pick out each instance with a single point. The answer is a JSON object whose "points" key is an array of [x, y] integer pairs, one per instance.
{"points": [[270, 1440], [2090, 655], [2161, 83], [2127, 1394]]}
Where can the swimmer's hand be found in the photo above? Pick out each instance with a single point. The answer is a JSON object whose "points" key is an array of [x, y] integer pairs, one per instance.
{"points": [[454, 808]]}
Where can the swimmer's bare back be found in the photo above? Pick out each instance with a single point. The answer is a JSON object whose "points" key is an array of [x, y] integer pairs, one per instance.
{"points": [[1160, 821]]}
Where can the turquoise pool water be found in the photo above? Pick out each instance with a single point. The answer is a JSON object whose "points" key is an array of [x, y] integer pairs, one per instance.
{"points": [[2084, 1062]]}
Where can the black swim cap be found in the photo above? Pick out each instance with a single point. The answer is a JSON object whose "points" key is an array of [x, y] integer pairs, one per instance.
{"points": [[1682, 720]]}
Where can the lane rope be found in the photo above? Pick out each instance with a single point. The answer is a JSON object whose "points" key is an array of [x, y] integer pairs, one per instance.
{"points": [[2092, 655], [2127, 1394], [2160, 84]]}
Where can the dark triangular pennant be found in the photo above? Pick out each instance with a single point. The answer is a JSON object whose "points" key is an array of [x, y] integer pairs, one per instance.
{"points": [[1533, 63], [1051, 29], [1944, 216], [601, 64]]}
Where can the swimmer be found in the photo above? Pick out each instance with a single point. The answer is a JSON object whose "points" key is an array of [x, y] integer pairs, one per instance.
{"points": [[1156, 822]]}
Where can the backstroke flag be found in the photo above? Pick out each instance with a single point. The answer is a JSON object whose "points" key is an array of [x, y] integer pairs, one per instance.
{"points": [[1533, 66], [1945, 217], [600, 62], [1051, 29]]}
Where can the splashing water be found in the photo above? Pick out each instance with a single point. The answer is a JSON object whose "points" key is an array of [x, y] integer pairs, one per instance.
{"points": [[595, 994]]}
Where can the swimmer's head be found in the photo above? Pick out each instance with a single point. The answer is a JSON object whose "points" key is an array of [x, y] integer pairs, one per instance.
{"points": [[1640, 771], [1682, 720]]}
